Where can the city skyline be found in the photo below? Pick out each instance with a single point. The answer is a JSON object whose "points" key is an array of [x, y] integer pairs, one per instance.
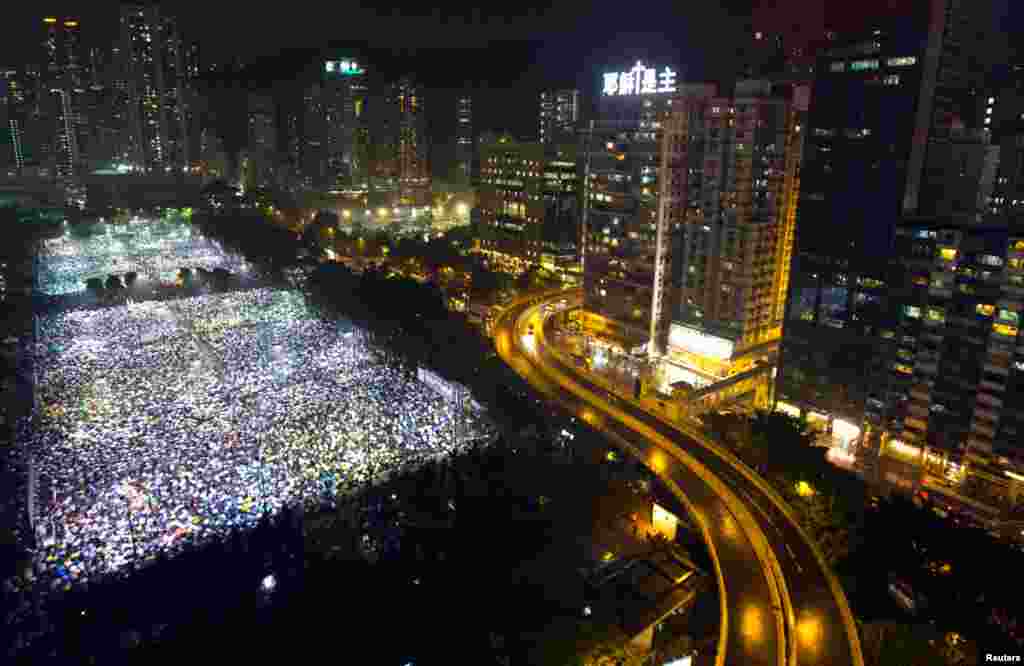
{"points": [[704, 321]]}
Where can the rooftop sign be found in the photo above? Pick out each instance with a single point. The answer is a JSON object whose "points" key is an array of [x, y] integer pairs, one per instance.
{"points": [[640, 80], [343, 67]]}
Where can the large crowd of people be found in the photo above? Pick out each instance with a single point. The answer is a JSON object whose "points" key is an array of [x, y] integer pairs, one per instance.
{"points": [[165, 423], [155, 250]]}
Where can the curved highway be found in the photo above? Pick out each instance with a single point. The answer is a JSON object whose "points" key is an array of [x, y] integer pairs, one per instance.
{"points": [[752, 629], [780, 603]]}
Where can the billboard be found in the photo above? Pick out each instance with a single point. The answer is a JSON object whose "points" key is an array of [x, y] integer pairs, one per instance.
{"points": [[696, 341]]}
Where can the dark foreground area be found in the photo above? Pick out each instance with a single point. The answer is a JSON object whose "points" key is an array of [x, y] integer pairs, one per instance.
{"points": [[468, 561]]}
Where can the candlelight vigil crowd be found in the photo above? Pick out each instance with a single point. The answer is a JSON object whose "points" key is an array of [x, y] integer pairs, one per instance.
{"points": [[154, 249], [163, 424]]}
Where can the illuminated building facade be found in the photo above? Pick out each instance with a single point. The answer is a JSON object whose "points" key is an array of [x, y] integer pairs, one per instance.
{"points": [[619, 232], [527, 200], [63, 81], [727, 214], [954, 375], [950, 384], [464, 148], [260, 169], [343, 103], [67, 136], [157, 70], [559, 115], [10, 128], [213, 159], [890, 111], [410, 142]]}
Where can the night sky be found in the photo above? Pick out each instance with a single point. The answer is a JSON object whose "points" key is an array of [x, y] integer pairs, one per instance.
{"points": [[505, 59]]}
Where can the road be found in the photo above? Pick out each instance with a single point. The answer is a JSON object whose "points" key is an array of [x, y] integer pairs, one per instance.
{"points": [[796, 620]]}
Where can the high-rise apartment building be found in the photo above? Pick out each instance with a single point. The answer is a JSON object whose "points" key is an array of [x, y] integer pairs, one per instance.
{"points": [[559, 115], [260, 167], [344, 102], [157, 71], [213, 159], [62, 51], [409, 114], [728, 179], [63, 82], [464, 142], [67, 134], [620, 163], [326, 135], [894, 135], [949, 374], [527, 199]]}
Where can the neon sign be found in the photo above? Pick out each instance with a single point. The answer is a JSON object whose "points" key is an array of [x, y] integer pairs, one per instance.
{"points": [[343, 67], [640, 81]]}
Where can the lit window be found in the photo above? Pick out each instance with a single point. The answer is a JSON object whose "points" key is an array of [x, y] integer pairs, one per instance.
{"points": [[1005, 329], [936, 315], [839, 66], [912, 311], [903, 61], [985, 309], [903, 368], [891, 80], [991, 260], [1009, 317], [948, 253]]}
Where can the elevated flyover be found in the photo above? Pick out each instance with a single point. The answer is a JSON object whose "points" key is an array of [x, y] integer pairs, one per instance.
{"points": [[780, 602]]}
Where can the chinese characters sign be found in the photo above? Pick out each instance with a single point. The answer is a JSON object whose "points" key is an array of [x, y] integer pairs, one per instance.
{"points": [[343, 67], [640, 81]]}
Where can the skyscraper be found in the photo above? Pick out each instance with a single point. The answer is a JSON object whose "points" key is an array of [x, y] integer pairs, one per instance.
{"points": [[464, 151], [893, 134], [559, 113], [728, 179], [158, 78], [620, 201], [261, 161], [411, 143], [63, 81], [344, 101], [62, 51]]}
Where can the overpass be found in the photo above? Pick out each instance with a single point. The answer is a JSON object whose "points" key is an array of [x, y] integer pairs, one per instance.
{"points": [[780, 602]]}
